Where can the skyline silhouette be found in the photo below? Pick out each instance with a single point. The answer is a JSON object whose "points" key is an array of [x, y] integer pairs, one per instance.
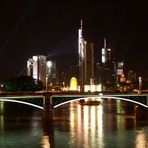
{"points": [[35, 27]]}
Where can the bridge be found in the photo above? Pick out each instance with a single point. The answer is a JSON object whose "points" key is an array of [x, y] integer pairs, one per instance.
{"points": [[58, 100], [41, 99], [48, 101]]}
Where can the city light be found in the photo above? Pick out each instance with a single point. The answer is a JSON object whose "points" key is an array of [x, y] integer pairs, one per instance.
{"points": [[49, 64], [73, 84]]}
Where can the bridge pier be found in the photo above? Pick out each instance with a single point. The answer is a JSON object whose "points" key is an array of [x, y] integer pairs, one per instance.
{"points": [[48, 109], [141, 113]]}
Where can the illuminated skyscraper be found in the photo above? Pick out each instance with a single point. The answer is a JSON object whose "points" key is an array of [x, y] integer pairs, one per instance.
{"points": [[86, 59], [120, 71], [51, 72], [36, 67], [106, 54], [82, 54], [107, 68]]}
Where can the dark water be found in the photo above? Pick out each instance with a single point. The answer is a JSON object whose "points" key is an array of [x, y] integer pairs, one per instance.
{"points": [[109, 125]]}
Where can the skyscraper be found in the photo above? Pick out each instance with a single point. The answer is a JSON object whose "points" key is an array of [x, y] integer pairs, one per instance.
{"points": [[107, 68], [36, 67], [82, 53], [106, 53], [86, 59], [89, 65], [51, 72]]}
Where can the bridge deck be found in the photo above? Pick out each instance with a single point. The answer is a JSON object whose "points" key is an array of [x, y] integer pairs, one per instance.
{"points": [[54, 99]]}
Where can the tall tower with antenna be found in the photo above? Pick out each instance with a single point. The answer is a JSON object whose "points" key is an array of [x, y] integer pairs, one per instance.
{"points": [[86, 59], [81, 44], [106, 53], [81, 54]]}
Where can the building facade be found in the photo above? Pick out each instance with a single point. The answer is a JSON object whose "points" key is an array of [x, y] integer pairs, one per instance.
{"points": [[106, 70], [106, 54], [86, 59], [51, 72], [36, 67]]}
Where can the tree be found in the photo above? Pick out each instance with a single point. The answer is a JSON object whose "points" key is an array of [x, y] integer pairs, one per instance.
{"points": [[23, 83]]}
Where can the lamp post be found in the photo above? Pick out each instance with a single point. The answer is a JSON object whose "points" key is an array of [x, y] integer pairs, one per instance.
{"points": [[47, 83], [140, 84]]}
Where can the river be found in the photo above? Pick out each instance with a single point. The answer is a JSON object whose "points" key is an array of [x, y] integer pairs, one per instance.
{"points": [[111, 124]]}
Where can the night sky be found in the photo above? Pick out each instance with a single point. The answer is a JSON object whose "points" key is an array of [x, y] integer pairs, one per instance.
{"points": [[32, 27]]}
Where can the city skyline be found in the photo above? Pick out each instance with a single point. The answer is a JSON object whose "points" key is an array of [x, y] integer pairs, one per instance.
{"points": [[32, 28]]}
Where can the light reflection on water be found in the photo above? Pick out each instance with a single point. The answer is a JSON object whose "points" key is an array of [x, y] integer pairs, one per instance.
{"points": [[109, 125], [140, 138]]}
